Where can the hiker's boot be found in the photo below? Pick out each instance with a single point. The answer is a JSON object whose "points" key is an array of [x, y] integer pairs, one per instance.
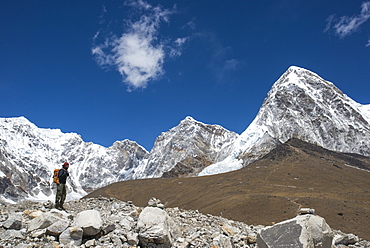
{"points": [[57, 205], [61, 207]]}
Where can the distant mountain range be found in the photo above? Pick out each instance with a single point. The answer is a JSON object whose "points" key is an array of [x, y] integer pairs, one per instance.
{"points": [[299, 105]]}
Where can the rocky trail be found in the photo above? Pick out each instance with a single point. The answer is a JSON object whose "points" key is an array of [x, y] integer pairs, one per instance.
{"points": [[109, 222]]}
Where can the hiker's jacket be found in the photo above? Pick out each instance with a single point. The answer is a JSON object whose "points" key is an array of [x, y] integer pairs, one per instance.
{"points": [[63, 174]]}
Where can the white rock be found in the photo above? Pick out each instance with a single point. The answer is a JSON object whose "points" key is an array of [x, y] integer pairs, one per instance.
{"points": [[132, 238], [156, 227], [90, 222], [45, 220], [38, 233], [126, 223], [90, 243], [222, 241], [306, 211], [304, 231], [345, 239]]}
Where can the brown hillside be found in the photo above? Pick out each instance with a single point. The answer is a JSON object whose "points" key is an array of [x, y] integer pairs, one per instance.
{"points": [[295, 174]]}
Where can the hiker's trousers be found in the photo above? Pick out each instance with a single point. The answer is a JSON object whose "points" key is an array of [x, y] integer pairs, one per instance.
{"points": [[61, 193]]}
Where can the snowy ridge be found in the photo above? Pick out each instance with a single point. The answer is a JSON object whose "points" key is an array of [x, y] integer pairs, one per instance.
{"points": [[302, 105], [28, 156], [190, 138]]}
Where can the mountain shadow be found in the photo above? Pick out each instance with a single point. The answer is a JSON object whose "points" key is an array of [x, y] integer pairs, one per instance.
{"points": [[293, 175]]}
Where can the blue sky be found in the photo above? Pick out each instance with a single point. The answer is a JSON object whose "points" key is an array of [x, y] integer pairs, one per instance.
{"points": [[114, 70]]}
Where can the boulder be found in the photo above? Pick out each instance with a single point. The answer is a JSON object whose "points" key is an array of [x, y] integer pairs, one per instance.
{"points": [[33, 213], [90, 243], [303, 231], [345, 239], [251, 238], [127, 222], [303, 211], [229, 230], [156, 228], [11, 234], [154, 202], [222, 241], [72, 235], [14, 221], [47, 219], [90, 222], [57, 228], [38, 233], [59, 213], [132, 238], [108, 228]]}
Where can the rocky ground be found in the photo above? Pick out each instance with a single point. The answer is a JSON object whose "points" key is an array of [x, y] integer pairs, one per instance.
{"points": [[270, 190], [108, 222]]}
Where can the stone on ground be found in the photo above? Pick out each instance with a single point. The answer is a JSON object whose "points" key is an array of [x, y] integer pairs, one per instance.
{"points": [[156, 228], [303, 231], [90, 222]]}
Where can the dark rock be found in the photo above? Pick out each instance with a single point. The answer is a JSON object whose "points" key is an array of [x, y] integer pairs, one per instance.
{"points": [[303, 231]]}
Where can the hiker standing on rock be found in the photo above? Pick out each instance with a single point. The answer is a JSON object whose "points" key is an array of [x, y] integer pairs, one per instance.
{"points": [[60, 177]]}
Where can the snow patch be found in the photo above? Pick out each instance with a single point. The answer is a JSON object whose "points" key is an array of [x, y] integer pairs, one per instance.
{"points": [[222, 167]]}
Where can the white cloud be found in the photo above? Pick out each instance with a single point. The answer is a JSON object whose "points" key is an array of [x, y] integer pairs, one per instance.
{"points": [[227, 68], [347, 25], [138, 54], [368, 43], [138, 60], [176, 49], [190, 25], [181, 41], [329, 22]]}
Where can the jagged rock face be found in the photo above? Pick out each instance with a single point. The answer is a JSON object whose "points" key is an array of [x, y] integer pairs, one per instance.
{"points": [[260, 148], [188, 167], [301, 105], [28, 156], [103, 166], [189, 139]]}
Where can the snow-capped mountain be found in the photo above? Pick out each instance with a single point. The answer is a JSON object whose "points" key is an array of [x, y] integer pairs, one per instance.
{"points": [[301, 105], [28, 156], [189, 140]]}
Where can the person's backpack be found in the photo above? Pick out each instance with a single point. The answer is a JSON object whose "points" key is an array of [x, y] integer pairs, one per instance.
{"points": [[56, 177]]}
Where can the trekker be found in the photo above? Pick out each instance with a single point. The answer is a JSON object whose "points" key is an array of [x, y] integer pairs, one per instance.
{"points": [[61, 187]]}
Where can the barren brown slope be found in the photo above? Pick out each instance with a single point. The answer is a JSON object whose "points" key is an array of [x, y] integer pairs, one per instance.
{"points": [[295, 174]]}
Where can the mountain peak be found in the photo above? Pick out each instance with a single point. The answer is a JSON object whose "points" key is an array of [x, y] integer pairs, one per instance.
{"points": [[315, 110], [303, 78], [296, 68], [16, 120], [302, 105], [189, 119]]}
